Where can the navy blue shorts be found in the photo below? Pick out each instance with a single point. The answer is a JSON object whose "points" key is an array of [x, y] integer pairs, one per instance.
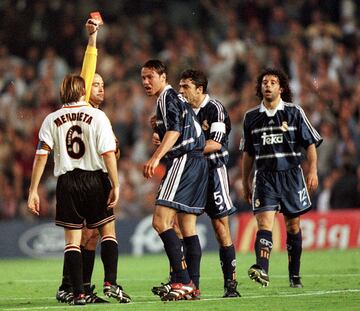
{"points": [[219, 203], [81, 196], [283, 191], [185, 183]]}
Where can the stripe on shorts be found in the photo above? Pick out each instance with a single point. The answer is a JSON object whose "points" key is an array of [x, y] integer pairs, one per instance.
{"points": [[224, 186], [172, 179]]}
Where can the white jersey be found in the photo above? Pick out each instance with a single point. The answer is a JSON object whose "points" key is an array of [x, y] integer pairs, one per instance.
{"points": [[79, 135]]}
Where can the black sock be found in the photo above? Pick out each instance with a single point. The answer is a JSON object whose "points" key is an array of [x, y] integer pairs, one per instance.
{"points": [[228, 262], [109, 257], [171, 272], [72, 258], [263, 246], [294, 248], [88, 260], [65, 283], [175, 254], [193, 258]]}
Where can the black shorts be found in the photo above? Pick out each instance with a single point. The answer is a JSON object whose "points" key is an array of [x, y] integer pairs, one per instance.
{"points": [[82, 196], [219, 203], [283, 191]]}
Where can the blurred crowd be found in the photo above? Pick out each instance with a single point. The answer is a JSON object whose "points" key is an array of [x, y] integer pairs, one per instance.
{"points": [[317, 43]]}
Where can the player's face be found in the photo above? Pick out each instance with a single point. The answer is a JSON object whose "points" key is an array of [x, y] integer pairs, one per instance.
{"points": [[270, 88], [189, 90], [153, 82], [97, 91]]}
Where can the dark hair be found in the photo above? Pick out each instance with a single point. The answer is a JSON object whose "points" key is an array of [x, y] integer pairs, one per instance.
{"points": [[197, 77], [286, 94], [157, 65], [72, 88]]}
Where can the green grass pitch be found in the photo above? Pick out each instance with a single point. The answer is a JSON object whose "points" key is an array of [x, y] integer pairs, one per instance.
{"points": [[331, 282]]}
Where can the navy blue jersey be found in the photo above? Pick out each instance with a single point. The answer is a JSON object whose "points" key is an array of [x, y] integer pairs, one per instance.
{"points": [[215, 122], [276, 138], [173, 113]]}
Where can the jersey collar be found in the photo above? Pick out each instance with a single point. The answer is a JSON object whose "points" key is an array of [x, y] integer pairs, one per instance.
{"points": [[271, 113], [203, 104], [167, 87], [75, 104]]}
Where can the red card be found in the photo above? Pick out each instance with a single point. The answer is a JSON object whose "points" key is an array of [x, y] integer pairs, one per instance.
{"points": [[97, 16]]}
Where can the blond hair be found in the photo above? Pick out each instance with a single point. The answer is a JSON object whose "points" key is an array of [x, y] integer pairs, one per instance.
{"points": [[72, 88]]}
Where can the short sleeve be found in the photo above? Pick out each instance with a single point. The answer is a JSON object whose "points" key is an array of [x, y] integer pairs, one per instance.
{"points": [[307, 133], [105, 135], [217, 127], [46, 140], [173, 115], [246, 143]]}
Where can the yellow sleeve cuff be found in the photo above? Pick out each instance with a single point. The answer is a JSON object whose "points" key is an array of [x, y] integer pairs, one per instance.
{"points": [[91, 50]]}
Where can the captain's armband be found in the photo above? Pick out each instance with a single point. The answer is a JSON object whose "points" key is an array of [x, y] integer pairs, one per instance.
{"points": [[42, 148]]}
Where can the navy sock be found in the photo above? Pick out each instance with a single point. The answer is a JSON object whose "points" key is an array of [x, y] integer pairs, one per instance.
{"points": [[171, 273], [294, 248], [263, 246], [193, 258], [88, 260], [176, 257], [109, 257], [228, 262], [73, 261]]}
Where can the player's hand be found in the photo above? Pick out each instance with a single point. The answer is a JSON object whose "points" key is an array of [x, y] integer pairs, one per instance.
{"points": [[156, 139], [117, 151], [113, 197], [149, 167], [153, 122], [33, 203], [92, 25], [312, 181]]}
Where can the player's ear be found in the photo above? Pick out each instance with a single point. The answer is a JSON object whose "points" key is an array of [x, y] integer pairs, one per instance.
{"points": [[163, 77]]}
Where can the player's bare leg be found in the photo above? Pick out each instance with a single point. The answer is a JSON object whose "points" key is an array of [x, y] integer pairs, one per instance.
{"points": [[227, 255]]}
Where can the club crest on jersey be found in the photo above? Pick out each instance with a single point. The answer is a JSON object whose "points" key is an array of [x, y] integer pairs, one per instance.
{"points": [[284, 126], [271, 139], [205, 125], [257, 203]]}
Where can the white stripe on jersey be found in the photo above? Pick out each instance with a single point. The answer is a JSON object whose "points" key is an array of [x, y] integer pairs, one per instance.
{"points": [[183, 143], [172, 180], [222, 173], [162, 105], [218, 155], [278, 155], [271, 128], [216, 126], [220, 109]]}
